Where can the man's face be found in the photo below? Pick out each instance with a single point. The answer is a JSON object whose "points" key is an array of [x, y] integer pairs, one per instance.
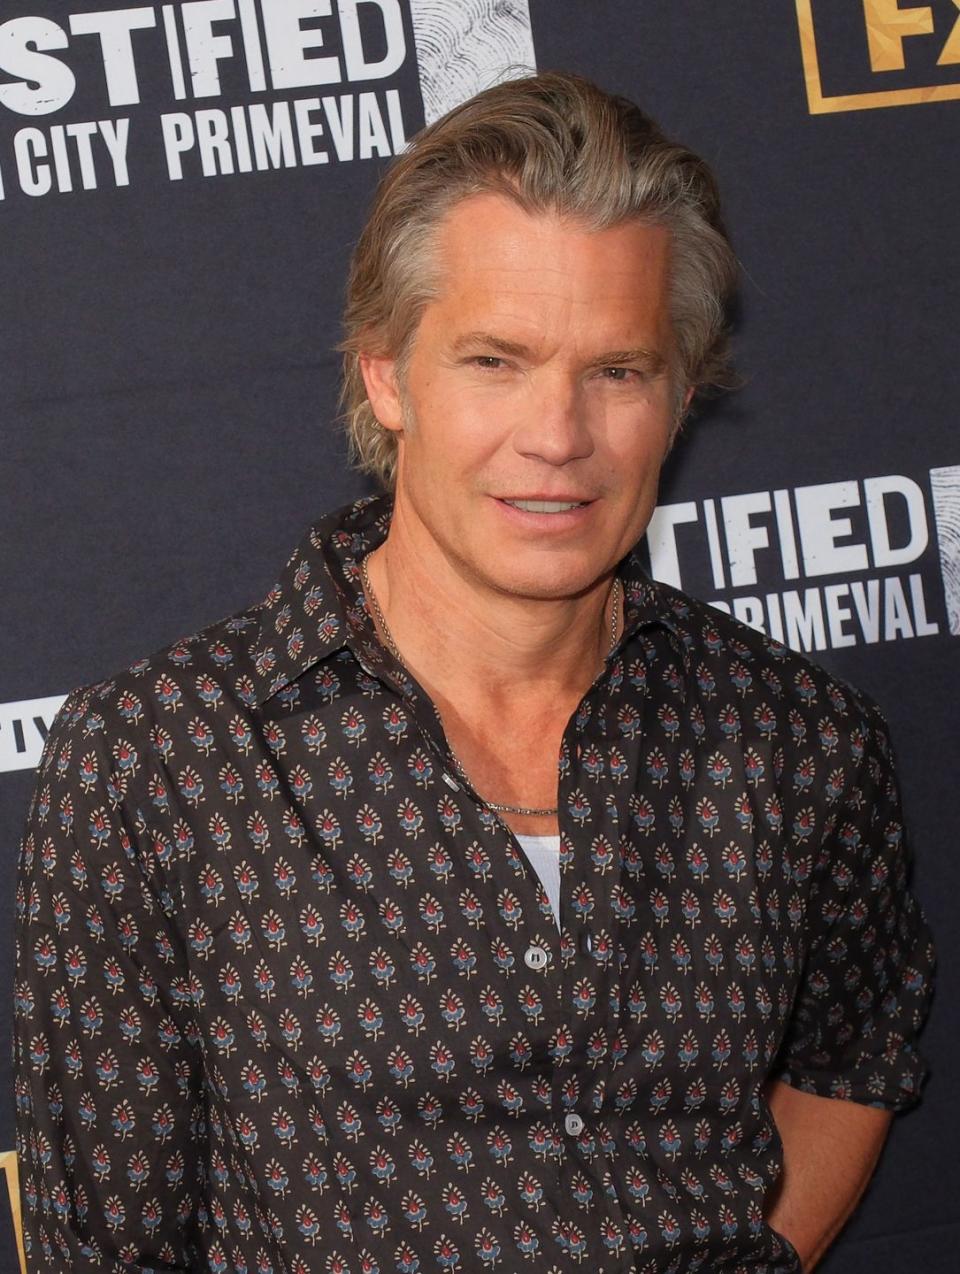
{"points": [[541, 372]]}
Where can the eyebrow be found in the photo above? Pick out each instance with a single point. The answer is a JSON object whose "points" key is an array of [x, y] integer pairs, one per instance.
{"points": [[653, 361]]}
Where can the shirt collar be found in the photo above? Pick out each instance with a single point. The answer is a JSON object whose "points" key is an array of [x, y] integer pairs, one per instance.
{"points": [[317, 605]]}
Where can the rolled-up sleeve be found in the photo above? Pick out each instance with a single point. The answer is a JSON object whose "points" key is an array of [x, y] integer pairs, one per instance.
{"points": [[868, 976], [107, 1077]]}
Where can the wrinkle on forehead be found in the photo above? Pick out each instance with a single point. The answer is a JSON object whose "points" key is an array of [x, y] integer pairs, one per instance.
{"points": [[543, 281], [487, 245]]}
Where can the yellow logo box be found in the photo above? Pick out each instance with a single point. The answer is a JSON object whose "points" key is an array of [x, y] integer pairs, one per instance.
{"points": [[887, 26]]}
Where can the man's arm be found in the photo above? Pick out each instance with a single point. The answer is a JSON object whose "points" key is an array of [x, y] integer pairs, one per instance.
{"points": [[849, 1058], [109, 1112], [830, 1151]]}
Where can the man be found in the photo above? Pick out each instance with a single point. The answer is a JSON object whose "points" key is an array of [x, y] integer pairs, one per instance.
{"points": [[474, 902]]}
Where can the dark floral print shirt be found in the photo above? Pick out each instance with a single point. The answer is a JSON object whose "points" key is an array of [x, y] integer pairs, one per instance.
{"points": [[289, 998]]}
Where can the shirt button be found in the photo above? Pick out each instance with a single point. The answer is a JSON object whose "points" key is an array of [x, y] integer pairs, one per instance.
{"points": [[586, 941], [535, 958], [573, 1124], [450, 781]]}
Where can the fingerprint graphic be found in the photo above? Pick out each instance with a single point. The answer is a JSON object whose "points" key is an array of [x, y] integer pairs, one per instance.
{"points": [[464, 46], [945, 486]]}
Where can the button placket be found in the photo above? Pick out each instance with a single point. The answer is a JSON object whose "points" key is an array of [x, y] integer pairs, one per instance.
{"points": [[609, 817]]}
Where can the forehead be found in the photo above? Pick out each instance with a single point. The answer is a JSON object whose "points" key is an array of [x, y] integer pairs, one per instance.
{"points": [[492, 254]]}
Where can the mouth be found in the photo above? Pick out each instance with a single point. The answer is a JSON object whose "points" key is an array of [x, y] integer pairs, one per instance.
{"points": [[545, 506], [545, 514]]}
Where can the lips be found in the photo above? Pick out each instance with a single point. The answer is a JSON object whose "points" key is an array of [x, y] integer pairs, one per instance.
{"points": [[531, 505], [540, 513]]}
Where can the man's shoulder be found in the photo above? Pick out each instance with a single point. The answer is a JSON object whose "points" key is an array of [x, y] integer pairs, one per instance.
{"points": [[222, 670], [186, 679], [723, 650]]}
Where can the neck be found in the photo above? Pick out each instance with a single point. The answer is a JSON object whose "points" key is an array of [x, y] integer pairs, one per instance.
{"points": [[464, 639]]}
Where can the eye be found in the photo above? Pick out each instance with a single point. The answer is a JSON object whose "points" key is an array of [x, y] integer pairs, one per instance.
{"points": [[620, 374], [488, 362]]}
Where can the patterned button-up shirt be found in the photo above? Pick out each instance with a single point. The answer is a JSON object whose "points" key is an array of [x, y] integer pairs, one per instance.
{"points": [[289, 998]]}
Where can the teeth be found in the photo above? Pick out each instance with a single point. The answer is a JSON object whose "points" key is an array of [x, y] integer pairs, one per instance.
{"points": [[545, 506]]}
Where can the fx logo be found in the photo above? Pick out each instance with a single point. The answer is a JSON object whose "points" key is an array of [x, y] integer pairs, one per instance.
{"points": [[859, 54]]}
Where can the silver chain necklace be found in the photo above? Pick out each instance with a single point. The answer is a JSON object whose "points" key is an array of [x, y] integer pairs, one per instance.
{"points": [[506, 809]]}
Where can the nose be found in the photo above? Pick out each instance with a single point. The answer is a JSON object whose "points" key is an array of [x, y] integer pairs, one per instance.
{"points": [[556, 426]]}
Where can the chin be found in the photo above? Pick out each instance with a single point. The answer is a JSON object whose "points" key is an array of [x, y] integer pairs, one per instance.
{"points": [[545, 586]]}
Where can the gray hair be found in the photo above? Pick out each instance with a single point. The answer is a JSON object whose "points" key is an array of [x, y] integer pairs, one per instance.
{"points": [[552, 142]]}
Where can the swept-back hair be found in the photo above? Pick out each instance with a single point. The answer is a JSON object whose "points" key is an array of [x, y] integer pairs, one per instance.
{"points": [[552, 142]]}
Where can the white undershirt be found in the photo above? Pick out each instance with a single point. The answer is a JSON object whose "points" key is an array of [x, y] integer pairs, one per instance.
{"points": [[544, 855]]}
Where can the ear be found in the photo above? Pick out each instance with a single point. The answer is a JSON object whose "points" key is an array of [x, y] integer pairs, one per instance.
{"points": [[380, 378]]}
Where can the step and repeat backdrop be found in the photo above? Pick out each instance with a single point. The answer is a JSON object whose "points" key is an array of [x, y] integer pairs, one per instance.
{"points": [[180, 188]]}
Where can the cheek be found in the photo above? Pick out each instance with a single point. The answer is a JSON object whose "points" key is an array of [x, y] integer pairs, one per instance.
{"points": [[443, 456], [637, 450], [462, 433]]}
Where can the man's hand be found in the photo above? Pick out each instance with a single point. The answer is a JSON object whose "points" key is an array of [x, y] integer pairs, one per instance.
{"points": [[830, 1151]]}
